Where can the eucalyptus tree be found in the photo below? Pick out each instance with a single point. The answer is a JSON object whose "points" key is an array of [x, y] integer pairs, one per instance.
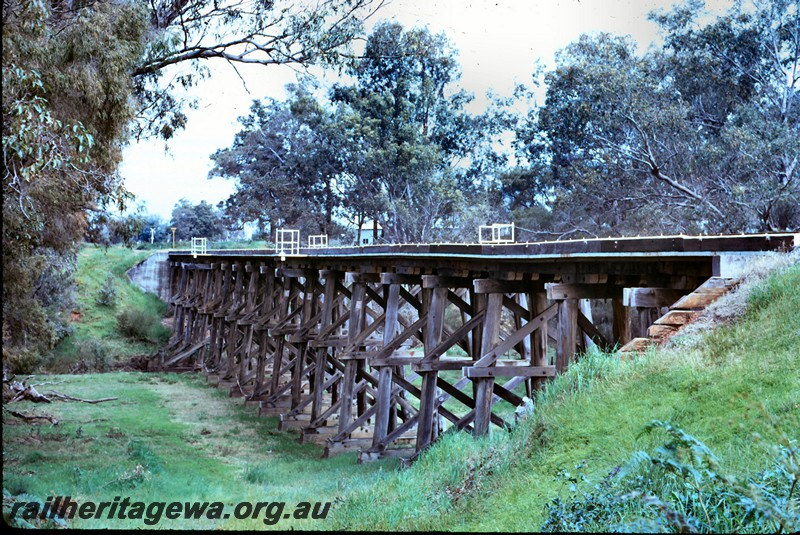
{"points": [[620, 150], [66, 108], [741, 77], [395, 145], [413, 134], [184, 35], [196, 221], [700, 136], [286, 161], [79, 78]]}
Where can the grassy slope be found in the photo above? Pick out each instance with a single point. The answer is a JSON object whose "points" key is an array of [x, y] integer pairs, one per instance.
{"points": [[714, 389], [95, 264], [195, 443], [720, 389]]}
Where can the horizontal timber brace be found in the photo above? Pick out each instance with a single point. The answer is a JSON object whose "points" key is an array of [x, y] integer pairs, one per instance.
{"points": [[334, 339]]}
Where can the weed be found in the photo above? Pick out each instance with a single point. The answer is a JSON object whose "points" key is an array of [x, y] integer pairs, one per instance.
{"points": [[681, 487], [258, 475], [130, 479], [140, 452], [107, 295], [34, 457], [93, 355]]}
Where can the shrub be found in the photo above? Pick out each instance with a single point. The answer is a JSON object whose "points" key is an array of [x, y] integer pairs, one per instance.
{"points": [[141, 324], [107, 295], [21, 361], [94, 355]]}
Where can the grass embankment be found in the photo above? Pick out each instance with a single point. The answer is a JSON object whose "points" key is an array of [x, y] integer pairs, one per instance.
{"points": [[723, 388], [96, 329], [167, 438], [194, 443]]}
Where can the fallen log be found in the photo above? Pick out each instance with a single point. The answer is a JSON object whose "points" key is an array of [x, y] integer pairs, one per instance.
{"points": [[29, 393], [65, 397], [30, 418]]}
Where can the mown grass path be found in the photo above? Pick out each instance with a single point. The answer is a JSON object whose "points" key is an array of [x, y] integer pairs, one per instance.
{"points": [[191, 441]]}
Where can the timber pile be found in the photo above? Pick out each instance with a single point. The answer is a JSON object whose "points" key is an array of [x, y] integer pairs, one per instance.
{"points": [[323, 340], [687, 309]]}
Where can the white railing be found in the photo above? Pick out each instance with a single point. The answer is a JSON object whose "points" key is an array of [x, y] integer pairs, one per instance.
{"points": [[316, 241], [287, 241], [199, 246], [497, 233]]}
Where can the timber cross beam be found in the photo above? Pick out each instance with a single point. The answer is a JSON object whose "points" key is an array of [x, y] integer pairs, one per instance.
{"points": [[381, 349]]}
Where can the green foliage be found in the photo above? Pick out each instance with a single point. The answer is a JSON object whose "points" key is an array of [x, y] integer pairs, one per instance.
{"points": [[195, 221], [107, 295], [391, 147], [33, 132], [143, 454], [700, 136], [25, 519], [21, 361], [66, 105], [126, 229], [141, 324], [681, 489], [93, 355]]}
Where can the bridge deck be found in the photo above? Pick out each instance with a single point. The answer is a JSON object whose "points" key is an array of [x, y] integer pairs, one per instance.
{"points": [[635, 246], [356, 347]]}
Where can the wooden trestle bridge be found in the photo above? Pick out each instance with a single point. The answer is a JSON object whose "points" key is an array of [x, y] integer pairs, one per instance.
{"points": [[380, 349]]}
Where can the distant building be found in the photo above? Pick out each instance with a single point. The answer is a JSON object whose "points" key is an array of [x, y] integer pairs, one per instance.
{"points": [[245, 233], [249, 228], [366, 232]]}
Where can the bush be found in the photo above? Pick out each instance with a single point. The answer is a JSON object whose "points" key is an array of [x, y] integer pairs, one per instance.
{"points": [[93, 355], [107, 295], [141, 324], [21, 361]]}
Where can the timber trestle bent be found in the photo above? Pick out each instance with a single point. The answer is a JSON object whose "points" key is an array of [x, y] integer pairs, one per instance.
{"points": [[381, 349]]}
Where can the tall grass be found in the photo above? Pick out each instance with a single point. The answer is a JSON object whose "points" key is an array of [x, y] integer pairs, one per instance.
{"points": [[717, 390]]}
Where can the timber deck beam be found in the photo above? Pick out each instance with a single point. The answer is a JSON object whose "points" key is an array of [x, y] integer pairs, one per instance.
{"points": [[382, 348]]}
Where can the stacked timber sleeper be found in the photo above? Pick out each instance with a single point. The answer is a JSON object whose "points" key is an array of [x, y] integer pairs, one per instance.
{"points": [[681, 313]]}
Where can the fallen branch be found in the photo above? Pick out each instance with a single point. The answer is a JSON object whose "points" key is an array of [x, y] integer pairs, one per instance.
{"points": [[70, 398], [29, 418], [21, 392], [48, 383]]}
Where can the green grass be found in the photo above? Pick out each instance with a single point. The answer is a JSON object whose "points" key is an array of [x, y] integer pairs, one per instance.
{"points": [[191, 441], [97, 323], [724, 389]]}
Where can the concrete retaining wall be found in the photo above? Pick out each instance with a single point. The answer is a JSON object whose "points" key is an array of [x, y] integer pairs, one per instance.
{"points": [[152, 275]]}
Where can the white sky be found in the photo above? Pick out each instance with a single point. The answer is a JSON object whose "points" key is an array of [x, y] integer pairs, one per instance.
{"points": [[498, 42]]}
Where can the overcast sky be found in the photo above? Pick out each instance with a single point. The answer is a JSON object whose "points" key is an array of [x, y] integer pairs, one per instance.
{"points": [[498, 43]]}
